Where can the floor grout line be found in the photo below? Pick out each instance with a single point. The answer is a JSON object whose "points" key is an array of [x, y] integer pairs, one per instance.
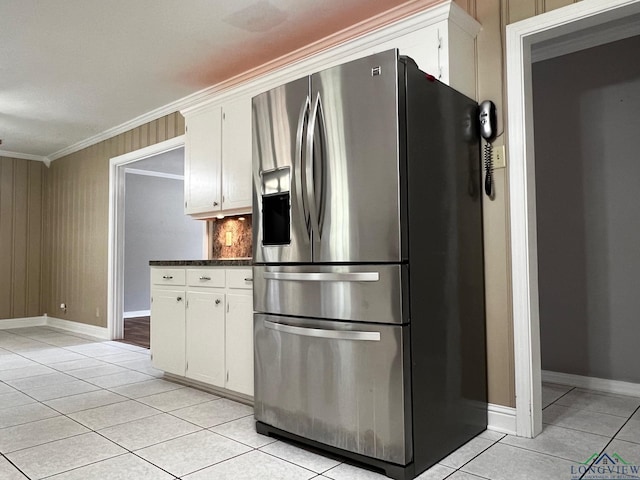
{"points": [[14, 465], [88, 355]]}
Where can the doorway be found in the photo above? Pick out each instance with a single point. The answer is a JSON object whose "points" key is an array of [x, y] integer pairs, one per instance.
{"points": [[156, 228], [146, 222], [582, 25], [587, 174]]}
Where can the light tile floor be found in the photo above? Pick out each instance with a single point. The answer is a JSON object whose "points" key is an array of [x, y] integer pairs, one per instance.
{"points": [[75, 408]]}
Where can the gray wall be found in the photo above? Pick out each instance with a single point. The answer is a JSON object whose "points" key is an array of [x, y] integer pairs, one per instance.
{"points": [[587, 134], [156, 228]]}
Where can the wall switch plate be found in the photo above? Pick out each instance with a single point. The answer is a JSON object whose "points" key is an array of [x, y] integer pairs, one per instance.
{"points": [[499, 158], [229, 239]]}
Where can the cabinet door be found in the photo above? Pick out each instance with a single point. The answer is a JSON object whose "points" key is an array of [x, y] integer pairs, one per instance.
{"points": [[168, 330], [236, 155], [202, 180], [205, 337], [240, 343]]}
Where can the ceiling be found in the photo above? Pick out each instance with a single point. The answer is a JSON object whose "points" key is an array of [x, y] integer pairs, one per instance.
{"points": [[72, 69]]}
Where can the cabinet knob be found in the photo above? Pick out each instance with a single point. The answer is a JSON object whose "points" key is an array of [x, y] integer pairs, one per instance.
{"points": [[217, 301], [179, 299], [215, 204]]}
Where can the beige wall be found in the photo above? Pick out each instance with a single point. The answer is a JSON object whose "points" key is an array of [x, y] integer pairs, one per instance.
{"points": [[20, 237], [494, 15], [76, 216]]}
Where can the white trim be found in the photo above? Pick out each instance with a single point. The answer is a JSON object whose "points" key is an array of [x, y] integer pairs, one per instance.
{"points": [[45, 320], [22, 322], [25, 156], [150, 151], [520, 37], [77, 327], [308, 58], [115, 266], [501, 419], [592, 383], [280, 71], [571, 44], [151, 173], [137, 313]]}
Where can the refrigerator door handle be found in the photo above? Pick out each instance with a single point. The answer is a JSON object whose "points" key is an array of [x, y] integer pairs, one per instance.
{"points": [[298, 167], [322, 333], [308, 171], [324, 277]]}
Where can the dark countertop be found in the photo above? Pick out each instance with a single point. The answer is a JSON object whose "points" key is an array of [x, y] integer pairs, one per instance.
{"points": [[222, 262]]}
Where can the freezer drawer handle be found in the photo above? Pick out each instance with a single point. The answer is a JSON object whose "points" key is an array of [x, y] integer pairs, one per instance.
{"points": [[320, 333], [324, 277]]}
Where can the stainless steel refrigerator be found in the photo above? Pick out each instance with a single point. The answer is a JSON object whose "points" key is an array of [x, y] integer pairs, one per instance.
{"points": [[369, 324]]}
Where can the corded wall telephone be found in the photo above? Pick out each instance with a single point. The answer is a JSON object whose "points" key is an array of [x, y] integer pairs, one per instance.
{"points": [[488, 130]]}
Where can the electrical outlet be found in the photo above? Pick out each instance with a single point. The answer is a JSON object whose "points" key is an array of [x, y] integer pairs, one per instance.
{"points": [[499, 159]]}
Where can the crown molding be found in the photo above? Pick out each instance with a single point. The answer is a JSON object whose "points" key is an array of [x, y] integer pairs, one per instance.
{"points": [[402, 19], [334, 49], [25, 156], [123, 127]]}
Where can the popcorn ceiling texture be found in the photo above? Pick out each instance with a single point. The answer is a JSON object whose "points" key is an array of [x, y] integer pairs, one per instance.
{"points": [[240, 237]]}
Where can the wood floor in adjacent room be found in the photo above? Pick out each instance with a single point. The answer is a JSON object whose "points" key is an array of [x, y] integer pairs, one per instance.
{"points": [[137, 331]]}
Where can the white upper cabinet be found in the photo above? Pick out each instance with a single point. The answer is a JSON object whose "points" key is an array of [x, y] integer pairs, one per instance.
{"points": [[218, 159], [440, 39], [203, 162], [236, 154]]}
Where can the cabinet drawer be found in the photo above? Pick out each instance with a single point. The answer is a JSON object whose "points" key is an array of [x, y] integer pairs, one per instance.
{"points": [[167, 276], [240, 278], [206, 277]]}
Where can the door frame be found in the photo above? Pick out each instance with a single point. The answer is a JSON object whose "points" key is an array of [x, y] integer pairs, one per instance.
{"points": [[585, 24], [115, 290]]}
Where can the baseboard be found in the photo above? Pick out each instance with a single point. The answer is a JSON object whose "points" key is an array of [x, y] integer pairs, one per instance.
{"points": [[137, 313], [592, 383], [22, 322], [223, 392], [501, 419], [76, 327]]}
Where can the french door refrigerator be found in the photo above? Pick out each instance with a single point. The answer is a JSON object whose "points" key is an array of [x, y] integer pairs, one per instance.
{"points": [[369, 325]]}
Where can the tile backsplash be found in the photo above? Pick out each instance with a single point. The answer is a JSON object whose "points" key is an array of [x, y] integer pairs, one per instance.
{"points": [[230, 237]]}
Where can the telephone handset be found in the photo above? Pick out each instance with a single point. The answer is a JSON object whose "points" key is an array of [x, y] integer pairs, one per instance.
{"points": [[488, 130]]}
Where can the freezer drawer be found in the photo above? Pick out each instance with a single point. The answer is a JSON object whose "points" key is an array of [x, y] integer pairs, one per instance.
{"points": [[362, 293], [338, 383]]}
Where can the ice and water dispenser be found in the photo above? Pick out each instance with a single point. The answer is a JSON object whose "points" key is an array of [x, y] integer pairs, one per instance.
{"points": [[276, 209]]}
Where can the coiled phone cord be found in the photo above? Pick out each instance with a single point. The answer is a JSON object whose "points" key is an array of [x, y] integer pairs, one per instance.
{"points": [[488, 168]]}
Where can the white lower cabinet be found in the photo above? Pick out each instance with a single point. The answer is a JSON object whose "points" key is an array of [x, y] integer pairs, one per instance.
{"points": [[205, 331], [205, 337], [167, 330], [239, 340]]}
